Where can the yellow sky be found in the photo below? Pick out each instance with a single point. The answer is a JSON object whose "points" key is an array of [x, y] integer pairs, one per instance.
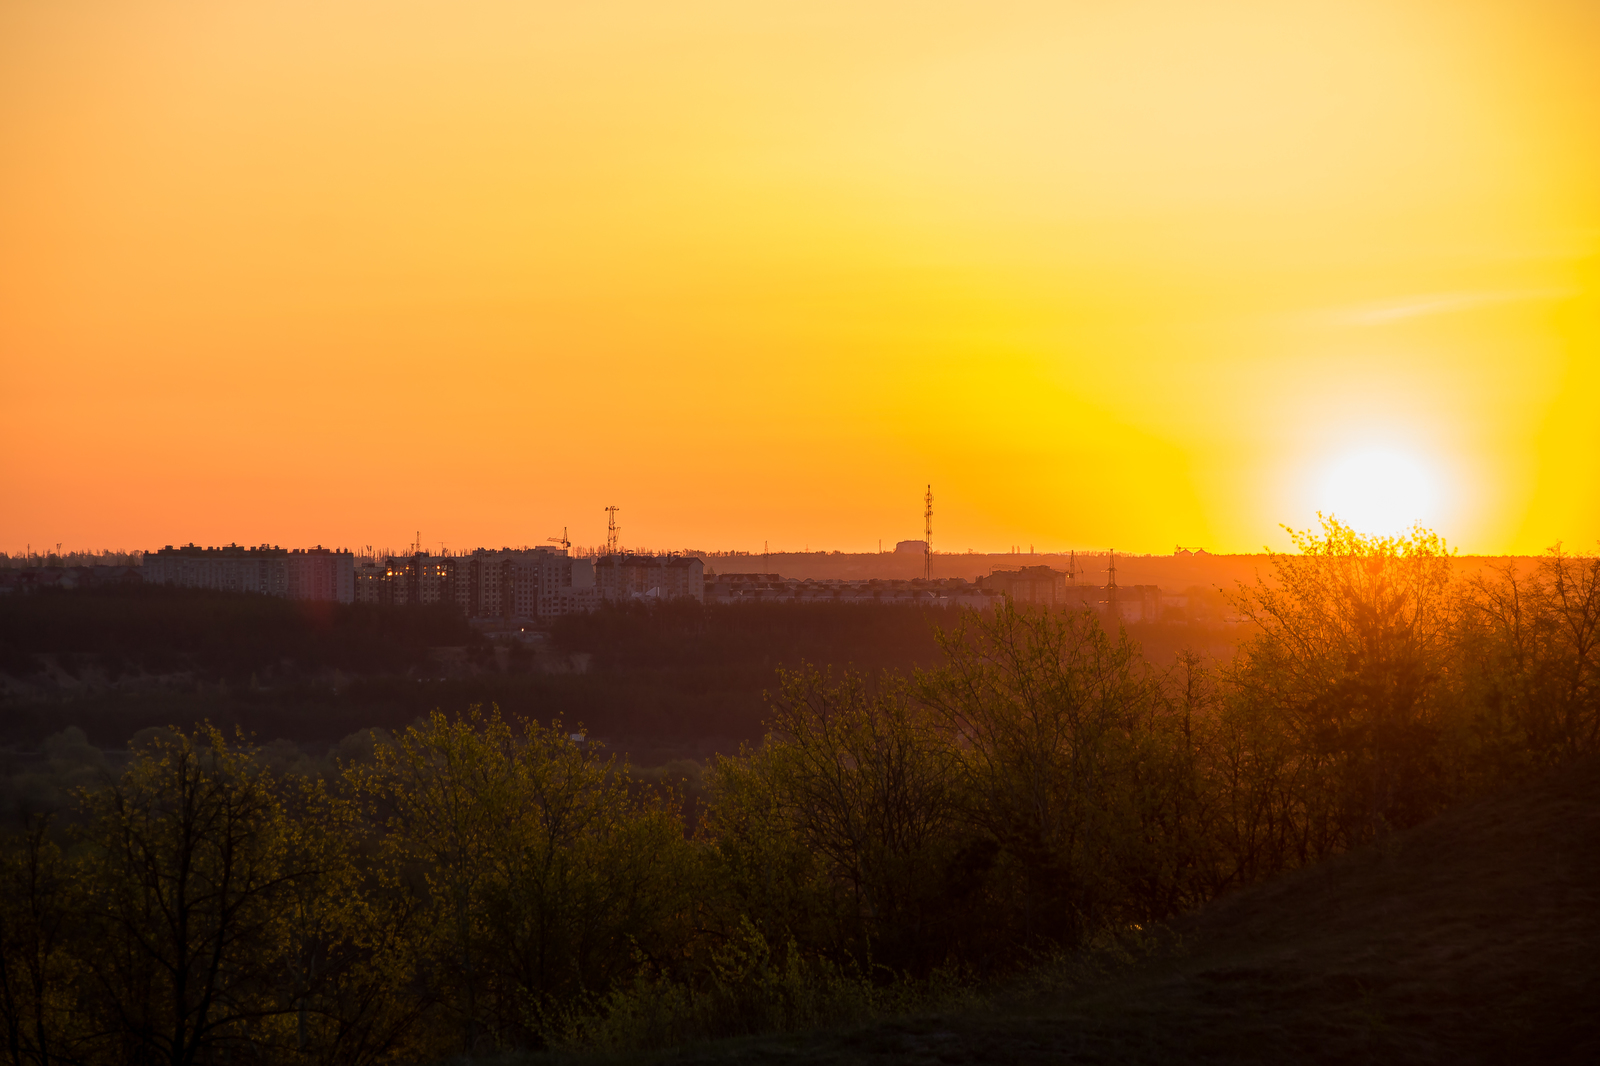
{"points": [[1128, 275]]}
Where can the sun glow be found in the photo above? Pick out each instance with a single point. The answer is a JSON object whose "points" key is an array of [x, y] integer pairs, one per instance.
{"points": [[1131, 274], [1380, 491]]}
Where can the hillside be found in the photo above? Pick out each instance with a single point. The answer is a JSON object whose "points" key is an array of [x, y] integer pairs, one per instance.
{"points": [[1474, 938]]}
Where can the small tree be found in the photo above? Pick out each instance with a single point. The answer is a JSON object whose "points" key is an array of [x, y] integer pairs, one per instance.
{"points": [[538, 876], [1533, 651], [867, 785], [1351, 658], [1042, 709]]}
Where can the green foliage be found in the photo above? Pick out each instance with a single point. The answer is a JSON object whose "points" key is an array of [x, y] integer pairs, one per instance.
{"points": [[39, 971], [1533, 662], [1353, 661], [746, 988], [1029, 809], [1047, 717]]}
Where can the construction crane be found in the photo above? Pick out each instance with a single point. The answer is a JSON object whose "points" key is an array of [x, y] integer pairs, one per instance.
{"points": [[561, 540], [613, 531]]}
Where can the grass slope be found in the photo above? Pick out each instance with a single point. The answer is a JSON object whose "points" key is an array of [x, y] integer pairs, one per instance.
{"points": [[1472, 939]]}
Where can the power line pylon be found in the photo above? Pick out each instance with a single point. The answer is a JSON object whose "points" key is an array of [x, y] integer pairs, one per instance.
{"points": [[613, 531], [927, 535]]}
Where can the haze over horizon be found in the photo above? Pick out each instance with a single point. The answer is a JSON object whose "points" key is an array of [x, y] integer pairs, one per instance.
{"points": [[1161, 273]]}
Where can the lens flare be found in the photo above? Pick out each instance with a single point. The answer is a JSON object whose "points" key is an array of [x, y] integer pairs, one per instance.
{"points": [[1380, 491]]}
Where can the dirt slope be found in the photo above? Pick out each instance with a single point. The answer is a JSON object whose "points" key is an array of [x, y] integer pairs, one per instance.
{"points": [[1472, 939]]}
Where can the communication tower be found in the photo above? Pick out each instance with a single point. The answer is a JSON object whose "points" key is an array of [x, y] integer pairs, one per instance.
{"points": [[613, 531], [1111, 586], [927, 534]]}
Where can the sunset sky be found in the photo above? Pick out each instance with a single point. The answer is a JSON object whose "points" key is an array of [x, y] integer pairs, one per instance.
{"points": [[1124, 275]]}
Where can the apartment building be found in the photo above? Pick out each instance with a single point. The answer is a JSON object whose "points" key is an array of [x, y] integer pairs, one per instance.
{"points": [[1033, 584], [667, 577], [298, 574], [519, 584]]}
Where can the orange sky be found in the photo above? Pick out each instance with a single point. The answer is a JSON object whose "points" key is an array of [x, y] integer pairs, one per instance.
{"points": [[1128, 275]]}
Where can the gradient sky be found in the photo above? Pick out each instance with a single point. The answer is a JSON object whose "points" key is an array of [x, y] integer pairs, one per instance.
{"points": [[1128, 275]]}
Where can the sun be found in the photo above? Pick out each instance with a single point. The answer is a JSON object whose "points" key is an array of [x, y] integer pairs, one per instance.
{"points": [[1379, 491]]}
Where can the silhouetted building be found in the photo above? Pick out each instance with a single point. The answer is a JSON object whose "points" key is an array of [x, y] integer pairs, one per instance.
{"points": [[321, 574]]}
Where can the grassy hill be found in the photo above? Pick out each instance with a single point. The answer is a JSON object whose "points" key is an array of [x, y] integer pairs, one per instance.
{"points": [[1474, 938]]}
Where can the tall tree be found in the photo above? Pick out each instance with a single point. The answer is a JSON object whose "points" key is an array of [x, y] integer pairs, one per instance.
{"points": [[191, 862]]}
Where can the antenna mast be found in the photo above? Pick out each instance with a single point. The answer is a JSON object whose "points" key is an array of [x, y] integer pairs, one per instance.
{"points": [[927, 534], [613, 531], [1111, 586]]}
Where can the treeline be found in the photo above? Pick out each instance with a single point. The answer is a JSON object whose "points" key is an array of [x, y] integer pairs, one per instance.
{"points": [[105, 557], [231, 636], [677, 673], [686, 635], [653, 677], [473, 884]]}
